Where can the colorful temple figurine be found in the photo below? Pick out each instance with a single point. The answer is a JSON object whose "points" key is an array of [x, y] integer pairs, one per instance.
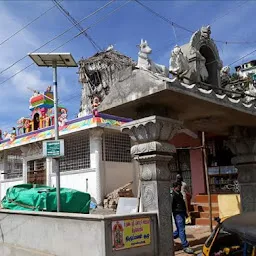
{"points": [[13, 134], [7, 135], [41, 106], [24, 125], [63, 117], [95, 104]]}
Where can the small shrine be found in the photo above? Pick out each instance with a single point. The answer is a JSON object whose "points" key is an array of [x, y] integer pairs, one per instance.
{"points": [[42, 115]]}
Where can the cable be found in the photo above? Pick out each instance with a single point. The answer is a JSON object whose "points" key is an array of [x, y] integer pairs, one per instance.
{"points": [[242, 57], [228, 12], [88, 16], [186, 29], [163, 18], [74, 37], [11, 36], [74, 22]]}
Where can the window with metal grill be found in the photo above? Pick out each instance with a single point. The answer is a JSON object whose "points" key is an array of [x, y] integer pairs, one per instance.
{"points": [[77, 152], [14, 167], [117, 147]]}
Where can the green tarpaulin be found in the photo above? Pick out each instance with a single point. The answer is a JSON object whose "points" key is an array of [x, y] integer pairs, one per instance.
{"points": [[32, 197]]}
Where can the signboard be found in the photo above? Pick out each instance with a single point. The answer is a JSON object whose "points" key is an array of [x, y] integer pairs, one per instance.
{"points": [[53, 148], [130, 233]]}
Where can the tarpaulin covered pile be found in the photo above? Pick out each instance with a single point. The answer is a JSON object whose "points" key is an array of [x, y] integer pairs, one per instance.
{"points": [[31, 197]]}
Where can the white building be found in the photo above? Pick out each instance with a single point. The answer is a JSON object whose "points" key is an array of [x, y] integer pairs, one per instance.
{"points": [[246, 68], [97, 157]]}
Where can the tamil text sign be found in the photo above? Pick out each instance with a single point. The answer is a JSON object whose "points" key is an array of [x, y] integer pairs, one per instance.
{"points": [[53, 148], [130, 233]]}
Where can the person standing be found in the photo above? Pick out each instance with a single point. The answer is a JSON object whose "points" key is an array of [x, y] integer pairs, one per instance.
{"points": [[180, 213], [186, 196]]}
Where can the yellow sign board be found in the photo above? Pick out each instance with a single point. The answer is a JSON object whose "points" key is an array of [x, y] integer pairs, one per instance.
{"points": [[130, 233]]}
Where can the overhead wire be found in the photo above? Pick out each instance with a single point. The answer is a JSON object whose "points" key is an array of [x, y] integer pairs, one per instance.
{"points": [[229, 11], [79, 27], [66, 42], [174, 24], [28, 24], [59, 35], [246, 55]]}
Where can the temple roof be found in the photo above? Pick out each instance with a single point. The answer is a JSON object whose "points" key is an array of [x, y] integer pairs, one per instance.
{"points": [[72, 126], [108, 57], [200, 109]]}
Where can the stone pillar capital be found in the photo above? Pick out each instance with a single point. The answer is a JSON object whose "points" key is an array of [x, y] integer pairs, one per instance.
{"points": [[151, 147], [152, 128]]}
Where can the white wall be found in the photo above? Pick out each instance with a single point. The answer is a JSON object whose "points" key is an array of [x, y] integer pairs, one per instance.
{"points": [[4, 185], [117, 175], [77, 180]]}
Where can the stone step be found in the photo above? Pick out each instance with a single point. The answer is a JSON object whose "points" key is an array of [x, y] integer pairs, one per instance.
{"points": [[204, 207], [204, 199], [197, 215], [205, 222]]}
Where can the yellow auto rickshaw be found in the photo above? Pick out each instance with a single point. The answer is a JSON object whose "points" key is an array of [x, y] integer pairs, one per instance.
{"points": [[235, 235]]}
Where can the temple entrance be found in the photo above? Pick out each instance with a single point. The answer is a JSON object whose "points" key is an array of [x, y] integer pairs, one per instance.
{"points": [[211, 65], [36, 121], [180, 164], [37, 172]]}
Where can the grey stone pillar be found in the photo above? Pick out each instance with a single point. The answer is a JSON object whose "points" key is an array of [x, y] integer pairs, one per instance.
{"points": [[243, 144], [153, 152]]}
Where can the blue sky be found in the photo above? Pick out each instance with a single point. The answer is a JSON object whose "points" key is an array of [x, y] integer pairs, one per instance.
{"points": [[230, 21]]}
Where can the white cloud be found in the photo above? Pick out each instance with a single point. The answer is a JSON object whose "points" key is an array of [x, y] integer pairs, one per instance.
{"points": [[14, 96]]}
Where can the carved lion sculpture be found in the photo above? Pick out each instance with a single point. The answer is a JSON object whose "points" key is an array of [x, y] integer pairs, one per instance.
{"points": [[206, 32], [178, 65], [144, 62]]}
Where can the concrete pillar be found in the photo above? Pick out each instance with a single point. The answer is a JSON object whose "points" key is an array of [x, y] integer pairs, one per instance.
{"points": [[243, 145], [25, 170], [97, 163], [153, 152]]}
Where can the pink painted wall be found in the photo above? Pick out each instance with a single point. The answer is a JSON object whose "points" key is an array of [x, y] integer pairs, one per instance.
{"points": [[196, 161], [197, 172]]}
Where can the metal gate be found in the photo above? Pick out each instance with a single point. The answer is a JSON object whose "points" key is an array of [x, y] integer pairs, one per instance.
{"points": [[180, 164], [37, 172]]}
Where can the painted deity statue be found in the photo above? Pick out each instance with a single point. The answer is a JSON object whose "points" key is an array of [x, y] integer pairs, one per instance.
{"points": [[63, 117], [95, 104]]}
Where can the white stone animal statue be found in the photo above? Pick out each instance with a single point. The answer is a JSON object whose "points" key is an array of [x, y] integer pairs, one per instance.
{"points": [[202, 69], [225, 75], [178, 64], [144, 62], [252, 91]]}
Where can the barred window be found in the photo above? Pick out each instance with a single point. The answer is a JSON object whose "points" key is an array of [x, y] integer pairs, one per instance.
{"points": [[14, 167], [77, 152], [37, 171], [117, 147]]}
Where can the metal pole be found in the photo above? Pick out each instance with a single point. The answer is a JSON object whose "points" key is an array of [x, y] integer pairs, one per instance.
{"points": [[56, 129], [207, 181]]}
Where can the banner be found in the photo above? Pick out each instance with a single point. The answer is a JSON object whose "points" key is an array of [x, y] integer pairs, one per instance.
{"points": [[130, 233]]}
